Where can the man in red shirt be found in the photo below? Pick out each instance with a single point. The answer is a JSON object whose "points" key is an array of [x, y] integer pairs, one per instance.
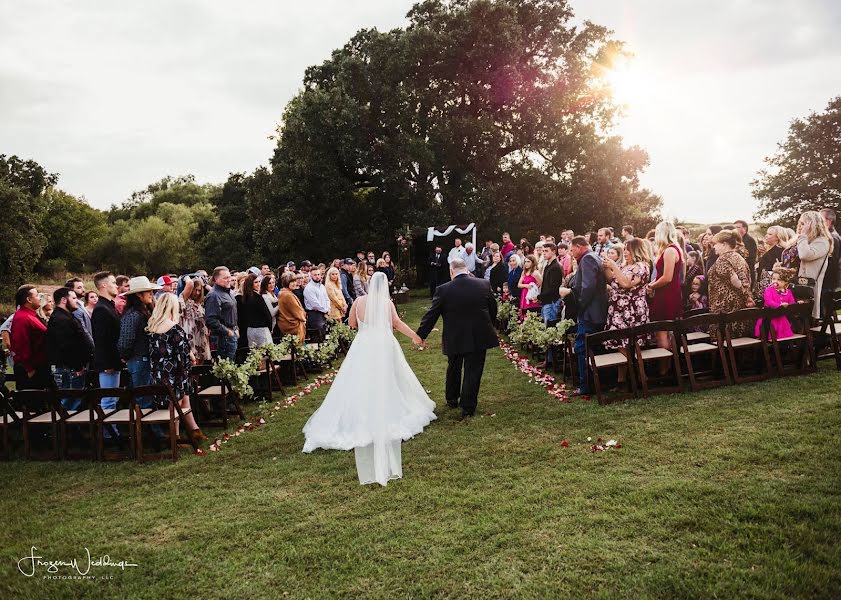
{"points": [[507, 246], [29, 341]]}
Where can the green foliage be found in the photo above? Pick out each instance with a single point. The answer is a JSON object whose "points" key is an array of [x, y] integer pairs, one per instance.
{"points": [[73, 230], [475, 107], [532, 331], [804, 174]]}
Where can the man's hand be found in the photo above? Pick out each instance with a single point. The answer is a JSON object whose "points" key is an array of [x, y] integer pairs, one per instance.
{"points": [[31, 373]]}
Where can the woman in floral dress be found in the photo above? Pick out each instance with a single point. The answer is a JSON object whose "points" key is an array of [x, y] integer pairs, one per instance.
{"points": [[192, 319], [627, 304], [170, 362]]}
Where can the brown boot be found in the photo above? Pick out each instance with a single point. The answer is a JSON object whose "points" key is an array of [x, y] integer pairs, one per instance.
{"points": [[197, 436]]}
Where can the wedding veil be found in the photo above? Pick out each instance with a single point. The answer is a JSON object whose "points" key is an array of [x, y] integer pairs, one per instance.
{"points": [[378, 306]]}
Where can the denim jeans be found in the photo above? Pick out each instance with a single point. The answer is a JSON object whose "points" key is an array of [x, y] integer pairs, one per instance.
{"points": [[66, 379], [141, 374], [551, 313], [226, 346], [109, 380], [584, 327]]}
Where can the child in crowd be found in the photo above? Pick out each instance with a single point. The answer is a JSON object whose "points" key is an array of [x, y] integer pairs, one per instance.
{"points": [[778, 294], [505, 295], [697, 299]]}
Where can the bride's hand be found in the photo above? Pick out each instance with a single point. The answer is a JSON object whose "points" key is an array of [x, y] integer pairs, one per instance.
{"points": [[417, 341]]}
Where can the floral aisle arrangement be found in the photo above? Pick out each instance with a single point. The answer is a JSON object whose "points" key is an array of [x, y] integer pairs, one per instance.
{"points": [[534, 332], [239, 376]]}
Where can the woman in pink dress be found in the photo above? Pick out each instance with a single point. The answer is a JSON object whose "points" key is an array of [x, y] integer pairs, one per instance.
{"points": [[667, 301], [529, 280], [778, 294]]}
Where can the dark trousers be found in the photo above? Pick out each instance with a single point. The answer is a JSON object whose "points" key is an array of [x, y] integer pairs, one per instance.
{"points": [[466, 389], [316, 326], [435, 279], [579, 347], [42, 379]]}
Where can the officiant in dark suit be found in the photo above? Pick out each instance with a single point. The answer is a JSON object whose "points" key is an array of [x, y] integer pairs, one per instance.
{"points": [[437, 269], [468, 308]]}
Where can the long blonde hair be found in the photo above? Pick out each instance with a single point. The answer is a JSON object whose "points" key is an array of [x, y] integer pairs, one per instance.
{"points": [[781, 233], [362, 271], [814, 226], [329, 283], [166, 309]]}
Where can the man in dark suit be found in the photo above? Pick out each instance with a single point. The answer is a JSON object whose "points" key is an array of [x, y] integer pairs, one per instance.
{"points": [[468, 307], [590, 291], [437, 274], [750, 246]]}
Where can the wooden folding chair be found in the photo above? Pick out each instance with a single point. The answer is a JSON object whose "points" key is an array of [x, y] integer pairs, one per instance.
{"points": [[10, 419], [38, 408], [800, 317], [84, 417], [120, 416], [611, 360], [170, 416], [209, 392], [735, 344], [648, 355], [828, 329], [713, 349]]}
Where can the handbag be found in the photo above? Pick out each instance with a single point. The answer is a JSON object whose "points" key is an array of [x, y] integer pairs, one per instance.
{"points": [[804, 287]]}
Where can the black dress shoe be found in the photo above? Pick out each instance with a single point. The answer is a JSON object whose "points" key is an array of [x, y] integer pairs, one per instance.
{"points": [[452, 404]]}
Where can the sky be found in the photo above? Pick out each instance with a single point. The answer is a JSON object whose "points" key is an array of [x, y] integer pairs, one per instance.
{"points": [[116, 95]]}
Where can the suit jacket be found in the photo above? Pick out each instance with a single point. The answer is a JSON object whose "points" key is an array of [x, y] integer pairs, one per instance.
{"points": [[68, 345], [468, 307], [552, 277], [591, 290], [106, 333]]}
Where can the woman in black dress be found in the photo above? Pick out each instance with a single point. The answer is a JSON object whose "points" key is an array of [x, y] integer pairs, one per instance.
{"points": [[170, 361]]}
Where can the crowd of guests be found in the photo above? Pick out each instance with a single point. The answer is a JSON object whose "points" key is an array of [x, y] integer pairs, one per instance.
{"points": [[607, 281], [153, 333]]}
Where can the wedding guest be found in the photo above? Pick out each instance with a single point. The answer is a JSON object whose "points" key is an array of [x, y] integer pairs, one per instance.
{"points": [[627, 233], [360, 279], [338, 305], [119, 299], [486, 257], [437, 269], [267, 291], [666, 303], [710, 257], [627, 304], [590, 292], [166, 285], [170, 359], [69, 349], [29, 341], [389, 271], [346, 272], [256, 318], [524, 248], [616, 253], [192, 321], [496, 273], [814, 245], [470, 258], [696, 299], [775, 295], [291, 316], [776, 238], [694, 269], [220, 314], [91, 300], [529, 285], [133, 343], [301, 281], [45, 311], [729, 279], [832, 279], [507, 246], [565, 259], [78, 287], [750, 246], [317, 304], [372, 259], [550, 297], [602, 242], [515, 270], [105, 322]]}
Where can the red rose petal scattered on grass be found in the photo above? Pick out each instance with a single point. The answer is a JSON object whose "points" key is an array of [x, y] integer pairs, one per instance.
{"points": [[564, 444]]}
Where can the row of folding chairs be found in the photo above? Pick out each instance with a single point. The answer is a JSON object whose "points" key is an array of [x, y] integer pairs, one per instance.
{"points": [[41, 412], [709, 350]]}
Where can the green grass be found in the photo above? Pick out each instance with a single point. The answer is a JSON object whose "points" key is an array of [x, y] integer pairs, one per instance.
{"points": [[732, 492]]}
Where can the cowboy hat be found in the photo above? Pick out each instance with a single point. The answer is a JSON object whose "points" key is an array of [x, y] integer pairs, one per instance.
{"points": [[140, 284]]}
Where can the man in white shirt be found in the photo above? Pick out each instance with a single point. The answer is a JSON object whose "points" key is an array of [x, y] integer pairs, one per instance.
{"points": [[457, 252], [469, 258], [317, 305]]}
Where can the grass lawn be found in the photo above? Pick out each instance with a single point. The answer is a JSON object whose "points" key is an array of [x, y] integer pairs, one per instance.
{"points": [[731, 492]]}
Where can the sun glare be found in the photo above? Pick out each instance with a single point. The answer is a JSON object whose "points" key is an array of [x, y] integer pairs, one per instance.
{"points": [[627, 82]]}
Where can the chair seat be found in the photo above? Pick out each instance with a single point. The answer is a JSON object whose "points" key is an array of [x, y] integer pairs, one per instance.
{"points": [[83, 416], [17, 414], [610, 360], [701, 347], [744, 341], [121, 416], [828, 331], [697, 336], [162, 415], [788, 338], [213, 390], [43, 418], [654, 353]]}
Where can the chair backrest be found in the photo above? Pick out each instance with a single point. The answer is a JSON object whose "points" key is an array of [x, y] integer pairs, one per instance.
{"points": [[744, 314], [654, 327], [695, 312], [700, 321], [600, 337], [80, 394], [34, 402], [161, 393], [123, 396]]}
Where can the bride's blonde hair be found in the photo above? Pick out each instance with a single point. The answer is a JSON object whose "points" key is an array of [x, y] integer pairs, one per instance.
{"points": [[166, 309]]}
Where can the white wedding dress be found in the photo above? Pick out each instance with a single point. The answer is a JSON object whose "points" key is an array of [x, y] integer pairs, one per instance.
{"points": [[375, 402]]}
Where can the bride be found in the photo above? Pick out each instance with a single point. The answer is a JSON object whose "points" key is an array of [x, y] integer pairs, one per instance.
{"points": [[375, 402]]}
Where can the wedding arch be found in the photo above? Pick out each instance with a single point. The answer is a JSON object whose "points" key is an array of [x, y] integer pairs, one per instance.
{"points": [[432, 233]]}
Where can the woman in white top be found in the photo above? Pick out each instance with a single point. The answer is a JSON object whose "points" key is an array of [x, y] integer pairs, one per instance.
{"points": [[267, 287]]}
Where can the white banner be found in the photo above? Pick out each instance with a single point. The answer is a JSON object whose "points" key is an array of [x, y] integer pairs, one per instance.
{"points": [[432, 233]]}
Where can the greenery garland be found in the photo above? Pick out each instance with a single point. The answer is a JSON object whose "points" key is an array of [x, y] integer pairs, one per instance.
{"points": [[238, 376], [532, 330]]}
